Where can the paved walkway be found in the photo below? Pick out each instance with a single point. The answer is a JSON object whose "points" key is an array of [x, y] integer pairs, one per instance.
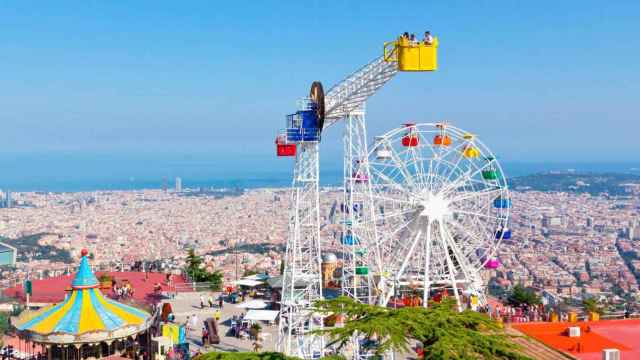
{"points": [[188, 304]]}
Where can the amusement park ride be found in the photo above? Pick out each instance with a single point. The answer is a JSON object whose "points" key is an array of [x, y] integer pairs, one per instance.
{"points": [[424, 208]]}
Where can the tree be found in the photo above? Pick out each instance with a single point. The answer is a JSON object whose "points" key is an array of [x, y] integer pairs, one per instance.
{"points": [[520, 296], [4, 326], [198, 274], [445, 332], [592, 306], [249, 272], [193, 263]]}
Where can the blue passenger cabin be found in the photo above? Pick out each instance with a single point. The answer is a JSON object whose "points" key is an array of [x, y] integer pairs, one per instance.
{"points": [[504, 234], [304, 125], [349, 239], [502, 203]]}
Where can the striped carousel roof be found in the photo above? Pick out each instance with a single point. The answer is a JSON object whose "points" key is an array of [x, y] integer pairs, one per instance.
{"points": [[85, 310]]}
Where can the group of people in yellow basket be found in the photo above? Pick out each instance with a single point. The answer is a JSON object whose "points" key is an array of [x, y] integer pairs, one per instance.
{"points": [[413, 40]]}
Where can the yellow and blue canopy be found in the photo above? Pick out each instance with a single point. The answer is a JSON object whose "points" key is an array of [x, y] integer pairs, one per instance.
{"points": [[84, 310]]}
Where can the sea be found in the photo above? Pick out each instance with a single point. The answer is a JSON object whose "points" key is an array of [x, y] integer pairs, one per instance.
{"points": [[80, 172]]}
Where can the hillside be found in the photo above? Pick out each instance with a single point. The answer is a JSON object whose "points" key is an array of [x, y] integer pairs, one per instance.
{"points": [[614, 184]]}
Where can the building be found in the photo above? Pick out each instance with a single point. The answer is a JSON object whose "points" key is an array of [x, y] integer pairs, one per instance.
{"points": [[551, 221], [178, 185], [8, 254], [6, 200]]}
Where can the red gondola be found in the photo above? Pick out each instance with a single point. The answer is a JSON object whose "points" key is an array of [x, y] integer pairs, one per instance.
{"points": [[410, 139], [284, 148]]}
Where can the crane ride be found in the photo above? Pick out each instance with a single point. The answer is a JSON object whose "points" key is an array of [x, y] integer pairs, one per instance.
{"points": [[424, 207]]}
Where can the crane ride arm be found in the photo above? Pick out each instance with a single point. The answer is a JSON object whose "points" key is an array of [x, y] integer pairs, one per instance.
{"points": [[351, 94], [348, 96]]}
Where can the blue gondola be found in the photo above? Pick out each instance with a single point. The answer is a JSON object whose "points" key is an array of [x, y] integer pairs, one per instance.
{"points": [[503, 234], [350, 240], [502, 203], [303, 125]]}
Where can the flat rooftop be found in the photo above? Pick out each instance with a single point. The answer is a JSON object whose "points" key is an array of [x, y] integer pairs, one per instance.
{"points": [[595, 336]]}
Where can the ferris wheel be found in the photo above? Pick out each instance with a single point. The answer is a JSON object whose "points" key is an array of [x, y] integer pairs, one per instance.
{"points": [[440, 207]]}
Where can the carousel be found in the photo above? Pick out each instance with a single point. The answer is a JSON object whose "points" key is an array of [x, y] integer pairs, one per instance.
{"points": [[86, 324]]}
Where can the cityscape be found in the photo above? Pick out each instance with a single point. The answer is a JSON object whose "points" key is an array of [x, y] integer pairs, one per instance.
{"points": [[320, 181]]}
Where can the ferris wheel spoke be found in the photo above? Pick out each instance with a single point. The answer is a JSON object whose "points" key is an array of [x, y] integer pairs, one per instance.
{"points": [[408, 255], [450, 266], [388, 237], [469, 234], [465, 177], [460, 257], [475, 214], [476, 194], [443, 158], [381, 218], [390, 199], [390, 182], [401, 166]]}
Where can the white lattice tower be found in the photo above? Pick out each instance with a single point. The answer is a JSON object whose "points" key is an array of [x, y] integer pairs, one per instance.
{"points": [[301, 281], [358, 235]]}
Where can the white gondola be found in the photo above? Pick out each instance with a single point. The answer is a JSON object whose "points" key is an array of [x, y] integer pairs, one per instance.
{"points": [[382, 150]]}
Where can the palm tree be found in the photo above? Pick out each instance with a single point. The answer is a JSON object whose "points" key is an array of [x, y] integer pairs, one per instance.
{"points": [[444, 332]]}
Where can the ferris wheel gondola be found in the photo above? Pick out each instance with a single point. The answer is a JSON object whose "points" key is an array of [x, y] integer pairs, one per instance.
{"points": [[436, 209]]}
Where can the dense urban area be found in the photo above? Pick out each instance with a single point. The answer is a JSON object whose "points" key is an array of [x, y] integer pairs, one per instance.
{"points": [[565, 244]]}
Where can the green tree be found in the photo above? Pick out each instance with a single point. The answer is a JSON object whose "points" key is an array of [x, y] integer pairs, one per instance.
{"points": [[249, 272], [199, 274], [193, 263], [215, 278], [520, 296], [4, 326], [592, 306], [445, 332]]}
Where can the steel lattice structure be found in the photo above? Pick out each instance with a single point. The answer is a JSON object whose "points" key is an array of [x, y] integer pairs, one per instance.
{"points": [[301, 280], [302, 276], [441, 209]]}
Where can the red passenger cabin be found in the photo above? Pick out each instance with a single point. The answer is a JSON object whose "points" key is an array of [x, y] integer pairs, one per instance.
{"points": [[410, 139], [285, 148]]}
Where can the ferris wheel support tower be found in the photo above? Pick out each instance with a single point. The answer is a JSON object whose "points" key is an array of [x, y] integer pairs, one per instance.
{"points": [[302, 281]]}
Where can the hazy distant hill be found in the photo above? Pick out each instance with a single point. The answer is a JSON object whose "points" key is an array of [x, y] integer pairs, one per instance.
{"points": [[592, 183], [29, 249]]}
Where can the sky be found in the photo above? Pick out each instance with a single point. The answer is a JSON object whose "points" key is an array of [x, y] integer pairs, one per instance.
{"points": [[537, 81]]}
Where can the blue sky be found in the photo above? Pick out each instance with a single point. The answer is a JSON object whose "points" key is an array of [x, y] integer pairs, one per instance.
{"points": [[538, 81]]}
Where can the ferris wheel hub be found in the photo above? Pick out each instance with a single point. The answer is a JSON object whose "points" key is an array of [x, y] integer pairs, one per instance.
{"points": [[435, 207]]}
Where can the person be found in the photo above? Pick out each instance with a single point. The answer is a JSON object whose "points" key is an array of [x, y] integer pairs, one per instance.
{"points": [[201, 301], [428, 39], [412, 39], [220, 302], [210, 300], [194, 321], [405, 35], [205, 336], [257, 345], [218, 315]]}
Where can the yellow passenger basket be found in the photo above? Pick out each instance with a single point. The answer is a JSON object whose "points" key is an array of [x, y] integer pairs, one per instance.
{"points": [[412, 56]]}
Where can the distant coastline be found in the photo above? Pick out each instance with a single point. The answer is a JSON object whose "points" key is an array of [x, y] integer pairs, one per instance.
{"points": [[78, 173]]}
